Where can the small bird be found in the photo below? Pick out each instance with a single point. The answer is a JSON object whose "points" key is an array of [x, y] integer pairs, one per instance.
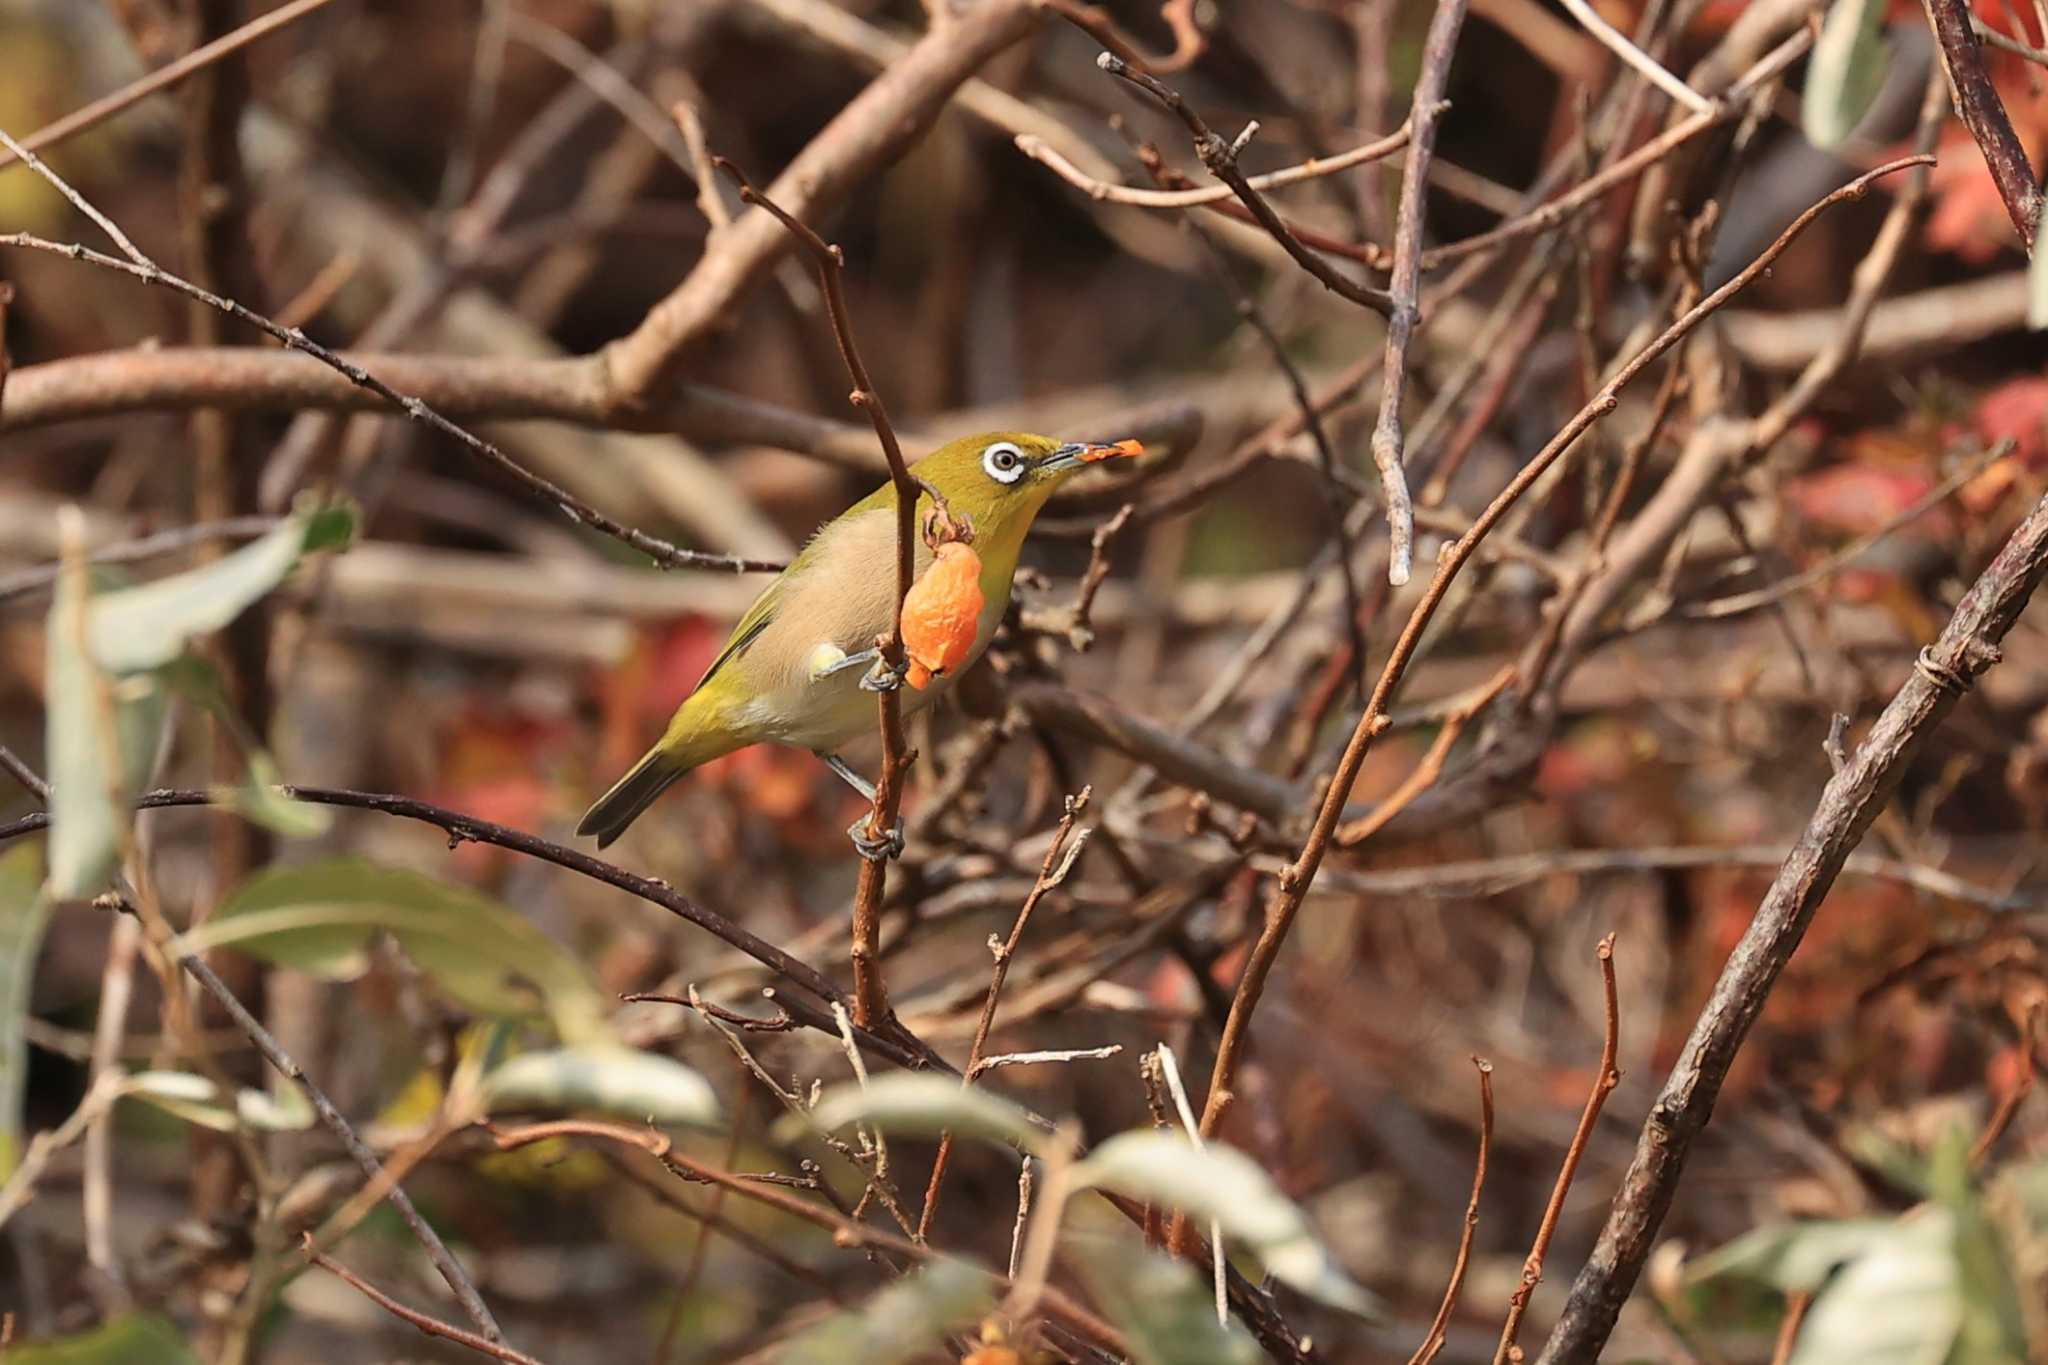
{"points": [[791, 672]]}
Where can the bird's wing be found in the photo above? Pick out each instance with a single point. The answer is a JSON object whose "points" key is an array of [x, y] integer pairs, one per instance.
{"points": [[758, 618]]}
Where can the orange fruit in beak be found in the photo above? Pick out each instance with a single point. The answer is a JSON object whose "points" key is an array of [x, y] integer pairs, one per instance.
{"points": [[942, 614]]}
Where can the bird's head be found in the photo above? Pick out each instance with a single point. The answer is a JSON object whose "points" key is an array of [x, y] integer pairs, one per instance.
{"points": [[1000, 476]]}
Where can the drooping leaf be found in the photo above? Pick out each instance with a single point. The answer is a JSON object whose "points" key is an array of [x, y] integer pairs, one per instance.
{"points": [[320, 918], [1846, 73], [196, 1099], [1897, 1303], [105, 693], [906, 1321], [137, 1339], [100, 732], [624, 1081], [1224, 1185], [1992, 1328], [1792, 1257], [1167, 1313], [920, 1105], [148, 626], [24, 912]]}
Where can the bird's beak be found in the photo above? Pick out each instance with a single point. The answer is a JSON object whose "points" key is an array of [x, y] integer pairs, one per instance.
{"points": [[1074, 454]]}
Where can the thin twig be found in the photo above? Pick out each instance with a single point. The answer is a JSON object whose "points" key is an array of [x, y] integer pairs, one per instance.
{"points": [[141, 267], [1440, 1328], [1059, 861], [1852, 800], [1044, 153], [1431, 767], [432, 1327], [1617, 42], [870, 997], [1604, 1082], [1294, 881], [198, 59], [1404, 286], [895, 1042], [845, 1231], [1220, 157]]}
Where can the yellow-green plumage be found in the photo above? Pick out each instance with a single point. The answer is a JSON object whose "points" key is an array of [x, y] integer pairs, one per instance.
{"points": [[838, 595]]}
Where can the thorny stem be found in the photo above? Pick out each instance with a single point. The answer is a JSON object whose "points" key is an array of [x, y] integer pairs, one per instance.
{"points": [[1294, 880], [1604, 1082], [870, 998]]}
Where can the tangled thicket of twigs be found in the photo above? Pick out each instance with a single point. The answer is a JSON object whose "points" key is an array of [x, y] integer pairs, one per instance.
{"points": [[1579, 525]]}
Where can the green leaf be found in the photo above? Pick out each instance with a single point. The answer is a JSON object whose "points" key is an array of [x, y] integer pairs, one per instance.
{"points": [[1898, 1303], [100, 733], [1992, 1328], [614, 1080], [320, 918], [196, 1099], [138, 1339], [1793, 1257], [24, 913], [906, 1321], [105, 651], [146, 627], [1846, 73], [1167, 1313], [919, 1105], [1224, 1185]]}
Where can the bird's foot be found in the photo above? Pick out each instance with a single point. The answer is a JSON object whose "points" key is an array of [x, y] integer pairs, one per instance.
{"points": [[882, 676], [875, 850]]}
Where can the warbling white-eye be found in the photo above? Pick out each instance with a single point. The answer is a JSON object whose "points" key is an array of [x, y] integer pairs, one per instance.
{"points": [[792, 670]]}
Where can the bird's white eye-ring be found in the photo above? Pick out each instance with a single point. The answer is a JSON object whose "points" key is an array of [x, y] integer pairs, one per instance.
{"points": [[1003, 462]]}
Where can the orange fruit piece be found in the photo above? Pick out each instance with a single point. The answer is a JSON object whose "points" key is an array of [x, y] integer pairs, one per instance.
{"points": [[1111, 452], [942, 613]]}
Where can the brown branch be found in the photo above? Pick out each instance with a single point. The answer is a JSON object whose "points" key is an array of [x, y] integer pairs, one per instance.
{"points": [[366, 1161], [1103, 191], [896, 1043], [197, 60], [1555, 211], [1354, 832], [1851, 801], [143, 268], [1439, 1329], [1220, 158], [1404, 285], [1051, 873], [845, 1231], [432, 1327], [1604, 1082], [1294, 880], [880, 124], [870, 998], [1983, 113]]}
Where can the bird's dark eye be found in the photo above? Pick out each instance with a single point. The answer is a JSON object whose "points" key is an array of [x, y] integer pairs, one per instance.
{"points": [[1003, 462]]}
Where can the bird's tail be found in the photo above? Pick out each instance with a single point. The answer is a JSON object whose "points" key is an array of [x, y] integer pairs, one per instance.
{"points": [[646, 780]]}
